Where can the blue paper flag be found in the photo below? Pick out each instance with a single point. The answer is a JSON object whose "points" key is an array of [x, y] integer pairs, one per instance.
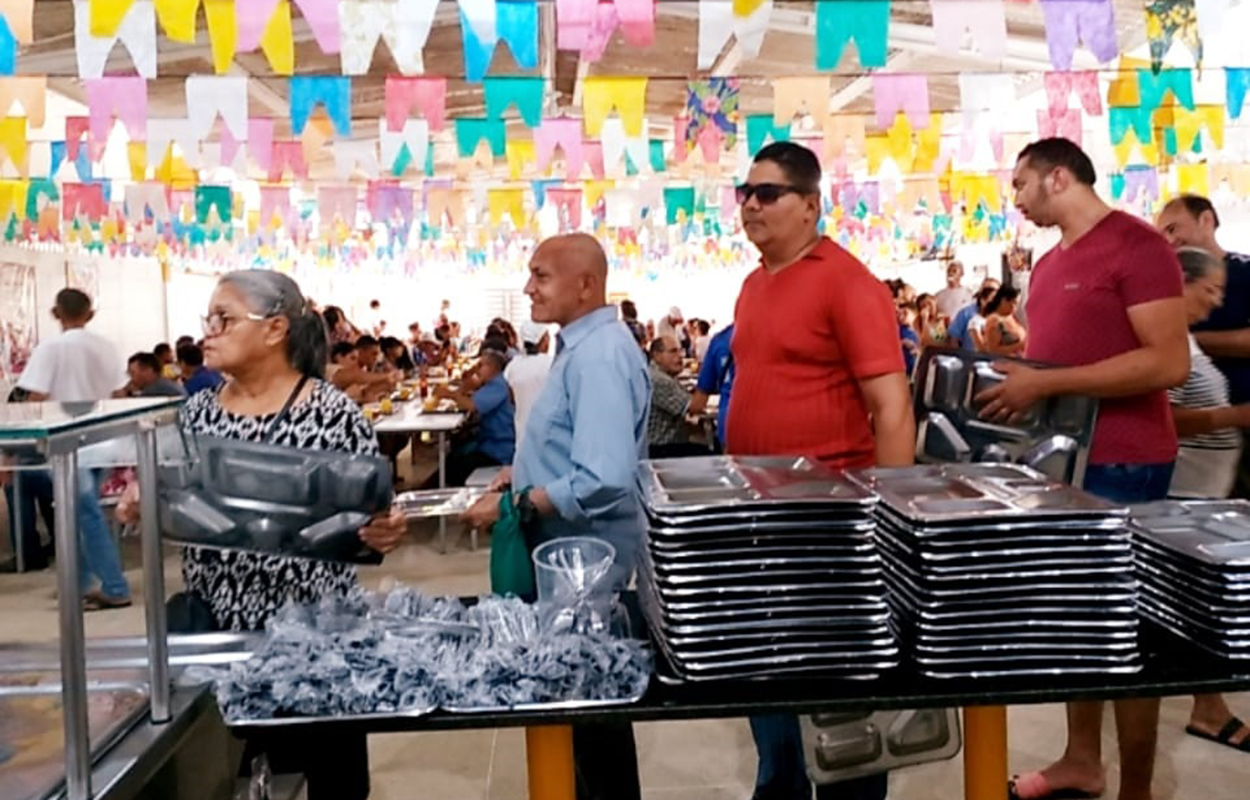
{"points": [[332, 91], [516, 22]]}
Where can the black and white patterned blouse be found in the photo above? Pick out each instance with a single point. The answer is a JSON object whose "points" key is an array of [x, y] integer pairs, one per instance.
{"points": [[245, 589]]}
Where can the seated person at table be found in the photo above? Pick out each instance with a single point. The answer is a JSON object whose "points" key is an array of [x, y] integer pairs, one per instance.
{"points": [[668, 434], [395, 355], [146, 379], [351, 375], [195, 376], [486, 395]]}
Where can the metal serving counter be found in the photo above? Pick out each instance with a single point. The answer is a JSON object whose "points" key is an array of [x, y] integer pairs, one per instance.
{"points": [[57, 431]]}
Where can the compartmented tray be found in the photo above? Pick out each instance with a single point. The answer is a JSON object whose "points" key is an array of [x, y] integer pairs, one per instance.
{"points": [[437, 502], [845, 746], [236, 495], [1053, 437], [1193, 560], [720, 484]]}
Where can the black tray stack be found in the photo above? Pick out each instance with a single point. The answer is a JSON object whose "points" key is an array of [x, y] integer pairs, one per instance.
{"points": [[760, 567], [1193, 560], [996, 570]]}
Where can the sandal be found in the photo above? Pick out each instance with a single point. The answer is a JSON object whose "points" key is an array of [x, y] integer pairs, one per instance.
{"points": [[1225, 736], [100, 602], [1037, 787]]}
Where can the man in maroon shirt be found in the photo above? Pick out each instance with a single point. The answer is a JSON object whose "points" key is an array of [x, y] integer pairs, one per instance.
{"points": [[1106, 304]]}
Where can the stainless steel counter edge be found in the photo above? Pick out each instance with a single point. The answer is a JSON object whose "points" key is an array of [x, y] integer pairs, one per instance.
{"points": [[123, 771]]}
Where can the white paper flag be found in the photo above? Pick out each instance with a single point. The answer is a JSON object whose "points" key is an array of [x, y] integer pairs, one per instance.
{"points": [[210, 95], [137, 32]]}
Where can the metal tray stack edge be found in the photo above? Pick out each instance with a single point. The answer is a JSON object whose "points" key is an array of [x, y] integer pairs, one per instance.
{"points": [[1193, 561], [758, 567], [996, 570]]}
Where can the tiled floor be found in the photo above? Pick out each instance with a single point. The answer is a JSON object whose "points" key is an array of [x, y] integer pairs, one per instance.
{"points": [[701, 760]]}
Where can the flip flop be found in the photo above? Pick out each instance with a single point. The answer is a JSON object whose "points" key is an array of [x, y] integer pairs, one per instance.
{"points": [[1037, 787], [1225, 736]]}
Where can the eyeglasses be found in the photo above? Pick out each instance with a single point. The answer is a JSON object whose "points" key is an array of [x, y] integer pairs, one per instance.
{"points": [[767, 193], [217, 322]]}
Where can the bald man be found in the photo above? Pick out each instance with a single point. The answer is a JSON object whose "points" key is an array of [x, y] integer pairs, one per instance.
{"points": [[579, 453]]}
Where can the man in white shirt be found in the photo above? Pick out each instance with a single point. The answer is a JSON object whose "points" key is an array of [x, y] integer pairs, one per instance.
{"points": [[80, 367], [955, 296], [527, 373]]}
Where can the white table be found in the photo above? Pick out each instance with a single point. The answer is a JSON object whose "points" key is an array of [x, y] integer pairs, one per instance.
{"points": [[410, 418]]}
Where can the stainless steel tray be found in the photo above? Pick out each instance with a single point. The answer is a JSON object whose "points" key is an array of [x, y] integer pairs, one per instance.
{"points": [[1212, 533], [945, 493], [844, 746], [274, 722], [437, 502], [720, 483], [1054, 436]]}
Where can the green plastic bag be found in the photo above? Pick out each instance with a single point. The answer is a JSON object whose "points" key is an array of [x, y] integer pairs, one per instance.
{"points": [[511, 571]]}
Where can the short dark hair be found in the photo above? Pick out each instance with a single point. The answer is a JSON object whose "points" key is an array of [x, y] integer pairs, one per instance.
{"points": [[800, 164], [342, 349], [704, 327], [495, 358], [657, 346], [388, 342], [146, 360], [1046, 154], [629, 310], [184, 340], [375, 304], [1196, 205], [496, 344], [162, 349], [190, 355], [366, 341], [73, 304]]}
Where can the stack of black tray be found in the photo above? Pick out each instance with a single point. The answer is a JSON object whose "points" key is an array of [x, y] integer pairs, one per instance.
{"points": [[761, 567], [997, 570], [1193, 561]]}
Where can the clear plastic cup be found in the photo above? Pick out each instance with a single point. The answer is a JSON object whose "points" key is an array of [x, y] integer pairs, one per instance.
{"points": [[572, 568]]}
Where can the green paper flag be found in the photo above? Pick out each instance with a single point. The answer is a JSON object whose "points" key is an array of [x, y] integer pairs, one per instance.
{"points": [[678, 198], [525, 93], [759, 128], [208, 197], [658, 162], [471, 131]]}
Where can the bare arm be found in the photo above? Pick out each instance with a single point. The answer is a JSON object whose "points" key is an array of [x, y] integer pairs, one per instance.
{"points": [[1197, 421], [37, 397], [889, 402], [1225, 344], [698, 403]]}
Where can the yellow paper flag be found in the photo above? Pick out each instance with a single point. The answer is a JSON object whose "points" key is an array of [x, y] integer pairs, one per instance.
{"points": [[1193, 179], [745, 8], [12, 198], [222, 32], [506, 201], [107, 15], [519, 154], [177, 17], [137, 154], [13, 141], [277, 43]]}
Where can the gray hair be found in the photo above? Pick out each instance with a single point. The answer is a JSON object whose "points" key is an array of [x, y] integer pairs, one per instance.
{"points": [[276, 295], [1197, 263]]}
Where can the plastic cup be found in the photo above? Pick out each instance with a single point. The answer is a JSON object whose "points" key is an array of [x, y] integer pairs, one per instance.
{"points": [[572, 568]]}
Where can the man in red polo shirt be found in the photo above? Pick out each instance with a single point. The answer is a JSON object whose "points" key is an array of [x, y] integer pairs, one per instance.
{"points": [[1106, 304], [819, 372]]}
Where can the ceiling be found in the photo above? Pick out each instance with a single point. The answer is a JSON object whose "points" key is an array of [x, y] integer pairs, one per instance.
{"points": [[669, 64]]}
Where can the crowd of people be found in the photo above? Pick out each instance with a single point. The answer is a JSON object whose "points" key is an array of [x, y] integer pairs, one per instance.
{"points": [[1153, 321]]}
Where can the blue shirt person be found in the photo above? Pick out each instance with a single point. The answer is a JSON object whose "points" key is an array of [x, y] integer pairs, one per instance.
{"points": [[496, 414], [716, 376], [580, 451], [486, 395]]}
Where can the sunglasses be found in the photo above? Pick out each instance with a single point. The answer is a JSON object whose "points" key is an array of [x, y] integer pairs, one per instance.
{"points": [[766, 193]]}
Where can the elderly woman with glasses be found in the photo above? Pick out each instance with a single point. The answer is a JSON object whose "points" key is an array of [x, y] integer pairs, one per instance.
{"points": [[261, 333], [818, 372]]}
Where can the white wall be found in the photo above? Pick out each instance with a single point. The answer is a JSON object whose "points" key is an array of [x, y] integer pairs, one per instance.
{"points": [[130, 306]]}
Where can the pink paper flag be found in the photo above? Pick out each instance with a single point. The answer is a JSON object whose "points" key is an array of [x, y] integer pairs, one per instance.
{"points": [[287, 155], [427, 94], [592, 154], [251, 17], [259, 142], [728, 202], [1064, 122], [893, 93], [562, 131], [569, 200], [387, 201], [587, 25], [75, 128], [274, 200], [125, 98], [86, 199], [323, 18], [1061, 85], [337, 201]]}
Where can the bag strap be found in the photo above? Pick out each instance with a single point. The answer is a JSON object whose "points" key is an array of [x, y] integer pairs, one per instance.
{"points": [[286, 409]]}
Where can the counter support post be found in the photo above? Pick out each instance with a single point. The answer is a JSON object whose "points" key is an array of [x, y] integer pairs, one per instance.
{"points": [[19, 522], [153, 574], [442, 484], [985, 753], [73, 648], [549, 756]]}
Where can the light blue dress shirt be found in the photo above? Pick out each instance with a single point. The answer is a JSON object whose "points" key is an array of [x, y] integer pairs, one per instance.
{"points": [[586, 435]]}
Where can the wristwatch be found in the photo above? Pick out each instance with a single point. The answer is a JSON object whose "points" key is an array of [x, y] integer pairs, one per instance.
{"points": [[525, 508]]}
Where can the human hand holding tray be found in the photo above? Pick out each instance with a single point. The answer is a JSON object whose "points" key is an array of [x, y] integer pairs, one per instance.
{"points": [[235, 495]]}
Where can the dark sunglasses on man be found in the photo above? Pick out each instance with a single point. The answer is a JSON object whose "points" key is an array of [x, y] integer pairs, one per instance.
{"points": [[766, 193]]}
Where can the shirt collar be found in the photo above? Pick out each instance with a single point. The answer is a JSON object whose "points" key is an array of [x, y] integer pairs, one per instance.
{"points": [[577, 330]]}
